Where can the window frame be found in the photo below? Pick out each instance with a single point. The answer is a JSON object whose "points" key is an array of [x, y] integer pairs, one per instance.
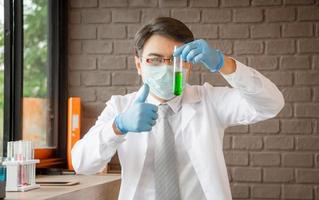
{"points": [[57, 81]]}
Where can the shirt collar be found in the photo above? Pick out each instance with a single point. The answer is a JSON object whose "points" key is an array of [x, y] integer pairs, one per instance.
{"points": [[174, 103]]}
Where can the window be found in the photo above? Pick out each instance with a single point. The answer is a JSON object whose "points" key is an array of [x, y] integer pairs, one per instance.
{"points": [[35, 76]]}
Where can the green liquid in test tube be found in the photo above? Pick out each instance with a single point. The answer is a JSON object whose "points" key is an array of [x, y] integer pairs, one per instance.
{"points": [[178, 75]]}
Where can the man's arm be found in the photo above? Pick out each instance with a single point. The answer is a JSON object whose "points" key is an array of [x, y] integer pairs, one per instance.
{"points": [[252, 98], [97, 147]]}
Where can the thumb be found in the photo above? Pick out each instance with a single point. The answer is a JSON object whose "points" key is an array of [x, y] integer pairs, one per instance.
{"points": [[142, 97]]}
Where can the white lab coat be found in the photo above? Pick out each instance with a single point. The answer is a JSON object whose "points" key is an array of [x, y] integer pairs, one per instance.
{"points": [[206, 112]]}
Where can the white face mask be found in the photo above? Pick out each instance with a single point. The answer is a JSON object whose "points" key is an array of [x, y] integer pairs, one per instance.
{"points": [[160, 79]]}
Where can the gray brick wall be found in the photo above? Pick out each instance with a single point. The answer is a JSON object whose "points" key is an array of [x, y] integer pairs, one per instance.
{"points": [[274, 159]]}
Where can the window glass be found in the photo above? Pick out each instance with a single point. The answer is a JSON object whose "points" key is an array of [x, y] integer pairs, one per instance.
{"points": [[36, 104]]}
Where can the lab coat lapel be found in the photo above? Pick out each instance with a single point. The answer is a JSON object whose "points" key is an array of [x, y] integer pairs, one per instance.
{"points": [[191, 95]]}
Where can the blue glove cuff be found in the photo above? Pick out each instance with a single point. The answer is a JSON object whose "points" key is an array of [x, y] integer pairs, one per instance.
{"points": [[220, 63], [119, 124]]}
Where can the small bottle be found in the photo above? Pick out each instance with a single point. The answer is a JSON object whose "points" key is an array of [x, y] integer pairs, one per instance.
{"points": [[178, 75], [2, 170]]}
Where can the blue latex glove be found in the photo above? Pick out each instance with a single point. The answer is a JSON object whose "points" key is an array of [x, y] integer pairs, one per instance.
{"points": [[139, 117], [199, 51]]}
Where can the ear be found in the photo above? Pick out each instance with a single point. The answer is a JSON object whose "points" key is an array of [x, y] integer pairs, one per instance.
{"points": [[138, 65]]}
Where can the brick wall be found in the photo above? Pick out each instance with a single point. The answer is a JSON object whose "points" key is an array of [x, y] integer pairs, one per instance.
{"points": [[275, 159]]}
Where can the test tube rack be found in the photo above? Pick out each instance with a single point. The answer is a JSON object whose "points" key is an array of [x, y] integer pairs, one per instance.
{"points": [[21, 166], [21, 175]]}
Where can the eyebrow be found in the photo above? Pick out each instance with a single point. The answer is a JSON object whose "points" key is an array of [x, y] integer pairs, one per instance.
{"points": [[155, 54]]}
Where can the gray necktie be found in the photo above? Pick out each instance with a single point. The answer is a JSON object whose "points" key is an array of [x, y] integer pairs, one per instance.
{"points": [[165, 174]]}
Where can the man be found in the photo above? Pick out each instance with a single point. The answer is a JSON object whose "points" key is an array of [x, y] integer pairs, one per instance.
{"points": [[170, 147]]}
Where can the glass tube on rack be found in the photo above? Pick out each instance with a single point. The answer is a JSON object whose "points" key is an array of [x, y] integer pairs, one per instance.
{"points": [[178, 75]]}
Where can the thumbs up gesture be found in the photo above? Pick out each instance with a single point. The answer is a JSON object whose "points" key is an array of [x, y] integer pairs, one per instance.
{"points": [[139, 117]]}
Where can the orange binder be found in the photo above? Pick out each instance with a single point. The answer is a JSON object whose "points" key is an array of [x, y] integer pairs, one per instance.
{"points": [[74, 126]]}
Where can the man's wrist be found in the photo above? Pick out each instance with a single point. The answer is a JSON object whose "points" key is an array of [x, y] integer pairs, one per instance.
{"points": [[116, 130], [229, 66]]}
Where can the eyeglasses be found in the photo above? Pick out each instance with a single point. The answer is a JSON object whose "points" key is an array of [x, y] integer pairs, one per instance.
{"points": [[157, 61]]}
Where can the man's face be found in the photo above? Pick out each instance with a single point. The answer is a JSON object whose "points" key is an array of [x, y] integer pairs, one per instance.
{"points": [[158, 46]]}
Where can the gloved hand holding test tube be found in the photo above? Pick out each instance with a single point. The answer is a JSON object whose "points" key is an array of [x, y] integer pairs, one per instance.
{"points": [[198, 51]]}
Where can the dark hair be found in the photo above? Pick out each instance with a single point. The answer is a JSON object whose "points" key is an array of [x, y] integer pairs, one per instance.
{"points": [[165, 26]]}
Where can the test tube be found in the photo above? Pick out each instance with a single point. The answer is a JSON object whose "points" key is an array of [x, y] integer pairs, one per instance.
{"points": [[178, 75], [10, 155]]}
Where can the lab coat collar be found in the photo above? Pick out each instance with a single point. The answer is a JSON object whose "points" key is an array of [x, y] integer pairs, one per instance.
{"points": [[191, 94]]}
